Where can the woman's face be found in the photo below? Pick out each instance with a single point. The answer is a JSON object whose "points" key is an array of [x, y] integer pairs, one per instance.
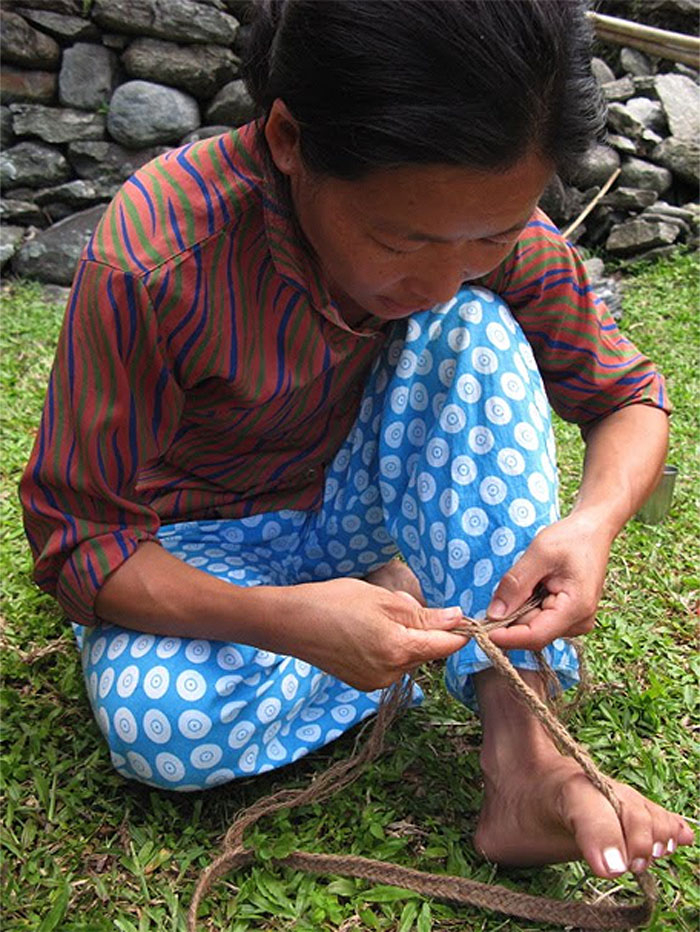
{"points": [[403, 239]]}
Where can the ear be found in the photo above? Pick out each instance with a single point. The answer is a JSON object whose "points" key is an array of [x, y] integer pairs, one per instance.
{"points": [[283, 135]]}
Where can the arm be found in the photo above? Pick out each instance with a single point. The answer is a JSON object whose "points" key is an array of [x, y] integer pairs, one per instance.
{"points": [[570, 557], [596, 377]]}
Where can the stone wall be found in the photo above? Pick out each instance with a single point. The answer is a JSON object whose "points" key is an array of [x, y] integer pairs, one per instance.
{"points": [[93, 89]]}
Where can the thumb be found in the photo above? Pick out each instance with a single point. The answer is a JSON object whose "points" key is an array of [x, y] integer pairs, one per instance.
{"points": [[516, 586]]}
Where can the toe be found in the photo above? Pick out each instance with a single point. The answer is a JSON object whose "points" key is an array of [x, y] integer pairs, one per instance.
{"points": [[596, 828]]}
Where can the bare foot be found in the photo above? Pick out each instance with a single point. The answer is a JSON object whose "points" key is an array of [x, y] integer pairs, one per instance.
{"points": [[546, 811], [397, 576]]}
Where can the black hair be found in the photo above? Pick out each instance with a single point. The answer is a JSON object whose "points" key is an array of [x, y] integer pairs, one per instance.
{"points": [[380, 83]]}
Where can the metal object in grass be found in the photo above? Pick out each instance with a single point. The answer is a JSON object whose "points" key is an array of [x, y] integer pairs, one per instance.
{"points": [[658, 505]]}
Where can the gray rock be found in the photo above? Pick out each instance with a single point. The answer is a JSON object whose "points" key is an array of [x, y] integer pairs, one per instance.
{"points": [[623, 121], [232, 105], [204, 132], [174, 20], [692, 208], [113, 40], [88, 76], [602, 72], [687, 71], [61, 26], [53, 255], [650, 113], [106, 161], [32, 164], [651, 255], [680, 98], [201, 69], [77, 194], [146, 114], [65, 7], [19, 85], [622, 89], [621, 144], [680, 156], [632, 61], [636, 173], [555, 201], [10, 238], [7, 137], [645, 86], [629, 198], [596, 167], [608, 289], [637, 236], [16, 210], [650, 214], [21, 44], [56, 124]]}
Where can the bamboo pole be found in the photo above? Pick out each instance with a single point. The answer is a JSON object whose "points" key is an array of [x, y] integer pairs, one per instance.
{"points": [[659, 42]]}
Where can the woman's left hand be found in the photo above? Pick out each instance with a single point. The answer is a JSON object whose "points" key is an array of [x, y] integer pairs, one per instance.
{"points": [[569, 558]]}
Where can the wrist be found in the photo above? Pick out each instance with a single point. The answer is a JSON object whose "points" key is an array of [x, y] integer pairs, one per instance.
{"points": [[600, 520]]}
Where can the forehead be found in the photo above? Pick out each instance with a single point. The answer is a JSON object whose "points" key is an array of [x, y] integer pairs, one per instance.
{"points": [[443, 202]]}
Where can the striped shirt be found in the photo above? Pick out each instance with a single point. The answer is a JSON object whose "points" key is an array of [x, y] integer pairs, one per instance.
{"points": [[204, 371]]}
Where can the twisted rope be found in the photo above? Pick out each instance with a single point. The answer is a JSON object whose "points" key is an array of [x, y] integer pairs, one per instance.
{"points": [[460, 890]]}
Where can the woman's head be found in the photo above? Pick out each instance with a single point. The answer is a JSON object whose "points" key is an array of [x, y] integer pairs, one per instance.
{"points": [[414, 137], [376, 83]]}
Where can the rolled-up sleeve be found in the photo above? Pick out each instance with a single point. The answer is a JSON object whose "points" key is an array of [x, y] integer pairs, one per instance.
{"points": [[589, 367], [112, 405]]}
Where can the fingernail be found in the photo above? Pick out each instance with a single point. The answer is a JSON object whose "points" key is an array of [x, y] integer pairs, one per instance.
{"points": [[454, 611], [638, 865], [658, 850], [497, 609], [613, 858], [671, 846]]}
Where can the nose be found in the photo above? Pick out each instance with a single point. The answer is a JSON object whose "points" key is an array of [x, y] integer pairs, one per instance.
{"points": [[444, 268]]}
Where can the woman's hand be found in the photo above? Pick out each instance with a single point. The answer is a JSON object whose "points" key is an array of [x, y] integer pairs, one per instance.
{"points": [[569, 558], [365, 635]]}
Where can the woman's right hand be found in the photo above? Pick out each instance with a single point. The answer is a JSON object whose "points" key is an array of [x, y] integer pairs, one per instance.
{"points": [[365, 635]]}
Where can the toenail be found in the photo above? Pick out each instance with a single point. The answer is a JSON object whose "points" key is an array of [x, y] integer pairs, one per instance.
{"points": [[613, 859], [671, 846], [658, 850], [638, 865]]}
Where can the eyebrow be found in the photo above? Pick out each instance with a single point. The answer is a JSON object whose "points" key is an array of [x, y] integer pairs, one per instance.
{"points": [[416, 235]]}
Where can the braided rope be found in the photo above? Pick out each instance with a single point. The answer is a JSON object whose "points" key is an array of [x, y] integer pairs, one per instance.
{"points": [[459, 890]]}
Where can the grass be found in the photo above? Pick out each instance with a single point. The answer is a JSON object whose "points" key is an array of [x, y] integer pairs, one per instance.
{"points": [[84, 850]]}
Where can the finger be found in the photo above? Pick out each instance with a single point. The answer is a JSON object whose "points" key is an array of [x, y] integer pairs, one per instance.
{"points": [[517, 586], [543, 628], [432, 644], [441, 619]]}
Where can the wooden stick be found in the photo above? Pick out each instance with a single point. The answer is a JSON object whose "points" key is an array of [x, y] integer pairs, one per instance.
{"points": [[586, 210], [662, 43]]}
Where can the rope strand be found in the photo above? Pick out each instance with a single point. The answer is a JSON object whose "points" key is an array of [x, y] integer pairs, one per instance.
{"points": [[455, 889]]}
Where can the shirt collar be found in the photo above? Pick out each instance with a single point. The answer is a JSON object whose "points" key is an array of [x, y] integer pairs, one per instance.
{"points": [[288, 252]]}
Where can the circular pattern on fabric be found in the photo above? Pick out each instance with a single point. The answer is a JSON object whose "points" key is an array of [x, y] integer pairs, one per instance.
{"points": [[97, 649], [127, 681], [139, 765], [142, 645], [481, 440], [199, 651], [194, 724], [229, 658], [502, 541], [125, 725], [157, 727], [156, 682], [170, 767], [522, 512], [497, 410], [468, 388], [492, 490], [191, 685], [106, 682], [484, 360], [510, 461], [241, 734], [205, 756], [452, 419], [475, 521], [117, 646], [463, 470], [168, 647]]}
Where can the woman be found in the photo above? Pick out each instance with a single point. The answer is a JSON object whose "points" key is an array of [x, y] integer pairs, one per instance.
{"points": [[272, 380]]}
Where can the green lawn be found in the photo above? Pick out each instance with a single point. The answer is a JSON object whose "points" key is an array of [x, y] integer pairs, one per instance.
{"points": [[84, 850]]}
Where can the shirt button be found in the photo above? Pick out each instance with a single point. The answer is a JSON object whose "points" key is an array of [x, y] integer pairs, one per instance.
{"points": [[311, 472]]}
